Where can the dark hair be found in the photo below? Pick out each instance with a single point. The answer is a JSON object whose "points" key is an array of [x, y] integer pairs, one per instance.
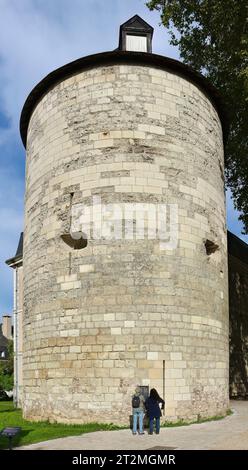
{"points": [[154, 394]]}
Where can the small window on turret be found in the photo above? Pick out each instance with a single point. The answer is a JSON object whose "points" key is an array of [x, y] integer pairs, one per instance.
{"points": [[136, 43], [135, 35]]}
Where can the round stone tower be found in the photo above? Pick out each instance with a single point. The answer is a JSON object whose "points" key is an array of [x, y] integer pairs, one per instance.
{"points": [[135, 140]]}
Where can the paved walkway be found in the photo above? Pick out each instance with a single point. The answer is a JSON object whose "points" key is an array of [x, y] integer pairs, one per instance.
{"points": [[226, 434]]}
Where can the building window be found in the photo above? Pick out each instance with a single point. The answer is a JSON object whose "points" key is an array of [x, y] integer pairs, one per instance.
{"points": [[136, 43]]}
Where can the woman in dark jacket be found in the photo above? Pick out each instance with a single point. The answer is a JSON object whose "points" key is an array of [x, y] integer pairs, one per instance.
{"points": [[153, 409]]}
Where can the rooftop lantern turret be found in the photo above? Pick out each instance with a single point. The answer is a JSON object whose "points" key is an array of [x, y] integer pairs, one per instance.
{"points": [[136, 35]]}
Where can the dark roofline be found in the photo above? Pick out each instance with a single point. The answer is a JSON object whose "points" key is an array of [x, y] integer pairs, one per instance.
{"points": [[128, 23], [19, 253], [120, 57], [14, 261], [237, 247]]}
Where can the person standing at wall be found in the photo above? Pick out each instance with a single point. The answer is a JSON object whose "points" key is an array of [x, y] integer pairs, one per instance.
{"points": [[154, 410], [138, 408]]}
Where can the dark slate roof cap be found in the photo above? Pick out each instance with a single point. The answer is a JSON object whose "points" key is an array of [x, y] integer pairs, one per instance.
{"points": [[19, 252], [135, 26], [137, 23]]}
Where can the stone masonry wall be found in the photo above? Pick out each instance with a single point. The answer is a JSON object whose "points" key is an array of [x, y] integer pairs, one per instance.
{"points": [[100, 320]]}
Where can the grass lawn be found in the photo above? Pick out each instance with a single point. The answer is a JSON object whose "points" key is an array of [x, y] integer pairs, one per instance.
{"points": [[41, 431]]}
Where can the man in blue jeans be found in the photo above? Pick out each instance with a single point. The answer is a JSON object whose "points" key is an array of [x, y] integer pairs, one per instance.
{"points": [[138, 406]]}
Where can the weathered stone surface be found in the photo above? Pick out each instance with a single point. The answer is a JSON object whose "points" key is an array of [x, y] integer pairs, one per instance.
{"points": [[101, 320]]}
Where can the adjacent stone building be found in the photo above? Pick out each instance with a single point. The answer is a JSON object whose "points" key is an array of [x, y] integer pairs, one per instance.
{"points": [[103, 314], [5, 336], [238, 308], [7, 329], [16, 262]]}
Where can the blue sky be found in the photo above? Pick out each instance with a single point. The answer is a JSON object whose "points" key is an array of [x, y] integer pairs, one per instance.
{"points": [[37, 36]]}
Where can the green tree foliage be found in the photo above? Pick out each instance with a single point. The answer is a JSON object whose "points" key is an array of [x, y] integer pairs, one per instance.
{"points": [[212, 38], [7, 370]]}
